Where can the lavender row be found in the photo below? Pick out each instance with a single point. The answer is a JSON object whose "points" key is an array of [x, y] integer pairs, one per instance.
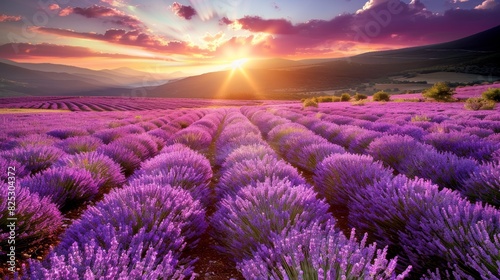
{"points": [[355, 134], [112, 103], [408, 156], [294, 142], [436, 231], [140, 231], [253, 222]]}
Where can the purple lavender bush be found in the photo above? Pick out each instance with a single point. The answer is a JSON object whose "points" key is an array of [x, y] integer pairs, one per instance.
{"points": [[37, 219], [442, 168], [196, 138], [455, 232], [65, 187], [64, 133], [242, 222], [309, 156], [247, 152], [81, 144], [109, 135], [95, 262], [160, 217], [483, 185], [126, 158], [225, 148], [384, 208], [18, 169], [462, 144], [340, 176], [142, 145], [253, 171], [179, 166], [34, 159], [104, 170], [319, 252], [28, 141]]}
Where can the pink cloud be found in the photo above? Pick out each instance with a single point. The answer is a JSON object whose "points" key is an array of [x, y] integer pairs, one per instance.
{"points": [[185, 12], [7, 18], [24, 50], [108, 14], [487, 4], [54, 7], [131, 38], [383, 22]]}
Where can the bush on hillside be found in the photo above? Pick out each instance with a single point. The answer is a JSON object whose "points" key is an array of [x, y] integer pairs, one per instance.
{"points": [[492, 94], [440, 92], [381, 96]]}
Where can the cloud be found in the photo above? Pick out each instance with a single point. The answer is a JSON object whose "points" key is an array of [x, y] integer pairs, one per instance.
{"points": [[24, 50], [131, 38], [388, 23], [487, 4], [108, 14], [185, 12], [7, 18], [54, 7]]}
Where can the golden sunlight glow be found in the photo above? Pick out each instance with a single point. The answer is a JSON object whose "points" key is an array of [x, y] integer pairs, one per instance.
{"points": [[238, 63]]}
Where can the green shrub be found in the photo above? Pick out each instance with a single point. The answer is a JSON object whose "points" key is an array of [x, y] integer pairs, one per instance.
{"points": [[359, 97], [325, 99], [492, 94], [439, 92], [381, 96], [479, 103], [310, 102], [345, 97], [336, 99]]}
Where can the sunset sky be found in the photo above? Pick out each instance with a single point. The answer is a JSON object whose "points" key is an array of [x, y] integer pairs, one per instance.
{"points": [[201, 35]]}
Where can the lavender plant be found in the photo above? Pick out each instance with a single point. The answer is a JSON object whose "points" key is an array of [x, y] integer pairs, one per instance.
{"points": [[65, 187], [35, 158], [160, 217], [37, 219], [483, 185], [340, 176], [126, 158], [103, 169], [320, 252], [253, 171], [243, 222], [81, 144]]}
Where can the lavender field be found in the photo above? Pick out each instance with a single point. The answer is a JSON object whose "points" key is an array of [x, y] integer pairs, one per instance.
{"points": [[121, 188]]}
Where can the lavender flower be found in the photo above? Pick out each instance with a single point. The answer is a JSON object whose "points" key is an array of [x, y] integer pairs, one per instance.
{"points": [[252, 171], [65, 187], [64, 133], [483, 185], [161, 217], [37, 219], [126, 158], [243, 222], [339, 176], [247, 152], [34, 159], [75, 145], [103, 169], [319, 252], [95, 262]]}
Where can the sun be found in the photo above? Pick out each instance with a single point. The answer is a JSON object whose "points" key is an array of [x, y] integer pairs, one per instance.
{"points": [[236, 64]]}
